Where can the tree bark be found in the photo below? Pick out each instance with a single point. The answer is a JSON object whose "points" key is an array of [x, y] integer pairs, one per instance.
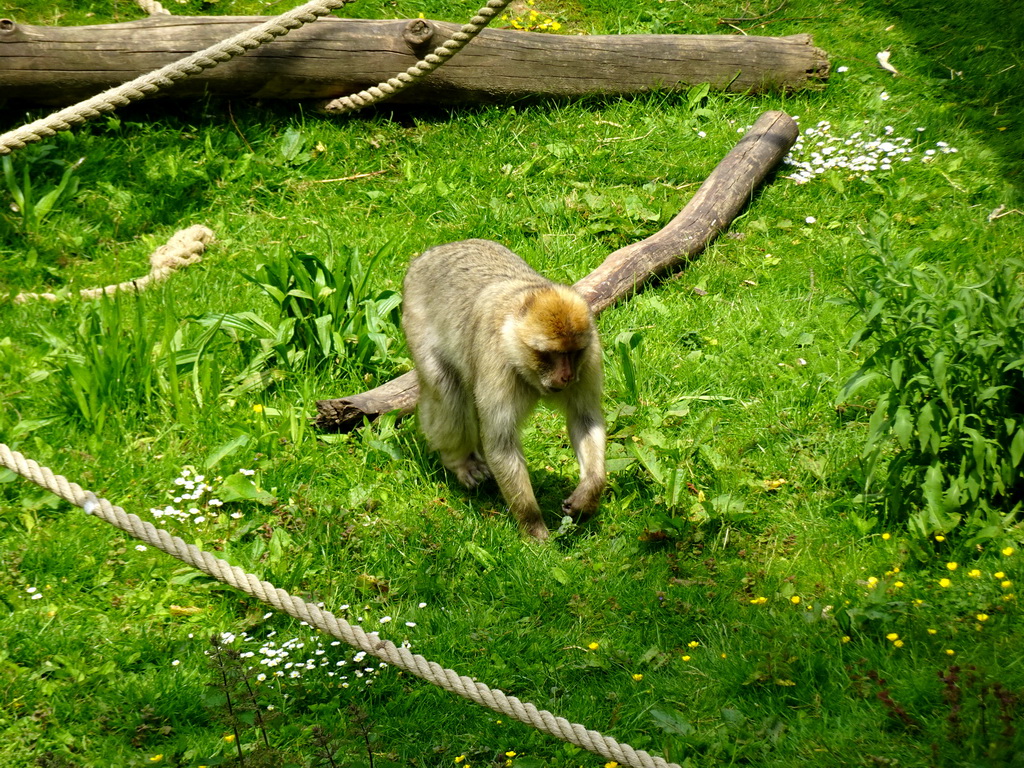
{"points": [[335, 57], [710, 211]]}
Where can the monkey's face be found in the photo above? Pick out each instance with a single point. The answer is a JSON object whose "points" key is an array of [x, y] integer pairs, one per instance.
{"points": [[554, 330], [556, 370]]}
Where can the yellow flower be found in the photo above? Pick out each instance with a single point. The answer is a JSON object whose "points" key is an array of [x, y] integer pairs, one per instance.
{"points": [[1008, 551], [795, 599], [156, 758], [460, 758], [940, 538], [638, 677], [872, 580], [999, 575], [510, 754], [593, 646], [932, 631], [229, 738], [950, 651], [723, 655], [611, 764], [555, 26], [918, 601], [898, 584], [886, 537], [974, 573], [898, 644], [982, 617], [258, 408], [892, 636], [693, 644], [951, 566], [758, 600], [1006, 584], [846, 639], [686, 658], [945, 583]]}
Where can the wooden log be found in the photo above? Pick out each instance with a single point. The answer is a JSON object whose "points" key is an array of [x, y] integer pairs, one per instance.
{"points": [[710, 211], [344, 414], [336, 57]]}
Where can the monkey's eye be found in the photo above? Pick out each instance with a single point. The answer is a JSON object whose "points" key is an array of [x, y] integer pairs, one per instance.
{"points": [[546, 360]]}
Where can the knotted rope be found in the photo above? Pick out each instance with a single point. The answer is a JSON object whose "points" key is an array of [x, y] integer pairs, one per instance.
{"points": [[325, 621], [184, 248]]}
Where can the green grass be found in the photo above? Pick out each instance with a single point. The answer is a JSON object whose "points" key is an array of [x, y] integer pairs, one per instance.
{"points": [[728, 387]]}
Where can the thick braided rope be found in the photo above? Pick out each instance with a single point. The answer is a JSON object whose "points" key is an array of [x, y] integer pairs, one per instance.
{"points": [[185, 247], [150, 83], [422, 67], [509, 706]]}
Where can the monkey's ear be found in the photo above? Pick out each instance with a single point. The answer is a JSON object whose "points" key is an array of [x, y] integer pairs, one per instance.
{"points": [[527, 305]]}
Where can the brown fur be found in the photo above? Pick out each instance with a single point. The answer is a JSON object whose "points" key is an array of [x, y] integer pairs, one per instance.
{"points": [[556, 322]]}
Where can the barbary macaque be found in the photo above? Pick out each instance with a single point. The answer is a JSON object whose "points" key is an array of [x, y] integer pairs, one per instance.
{"points": [[490, 337]]}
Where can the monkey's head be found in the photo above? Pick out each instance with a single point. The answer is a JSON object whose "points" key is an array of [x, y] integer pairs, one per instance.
{"points": [[553, 331]]}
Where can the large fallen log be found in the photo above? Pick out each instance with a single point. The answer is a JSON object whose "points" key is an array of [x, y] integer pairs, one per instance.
{"points": [[336, 57], [710, 211]]}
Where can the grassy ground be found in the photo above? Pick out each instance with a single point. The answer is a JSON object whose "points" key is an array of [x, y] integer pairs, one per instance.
{"points": [[738, 601]]}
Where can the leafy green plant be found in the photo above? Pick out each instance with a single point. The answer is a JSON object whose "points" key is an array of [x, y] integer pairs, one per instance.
{"points": [[235, 701], [333, 318], [529, 19], [983, 721], [118, 363], [266, 349], [674, 464], [291, 150], [33, 207], [948, 359], [625, 344], [107, 368]]}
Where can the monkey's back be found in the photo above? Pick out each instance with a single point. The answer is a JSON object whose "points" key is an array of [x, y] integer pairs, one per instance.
{"points": [[448, 294], [465, 267]]}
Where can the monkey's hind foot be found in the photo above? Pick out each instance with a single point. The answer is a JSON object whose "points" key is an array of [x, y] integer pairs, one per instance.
{"points": [[535, 528], [471, 470]]}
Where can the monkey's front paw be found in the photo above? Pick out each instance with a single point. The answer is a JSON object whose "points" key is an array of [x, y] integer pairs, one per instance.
{"points": [[472, 471], [579, 506]]}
